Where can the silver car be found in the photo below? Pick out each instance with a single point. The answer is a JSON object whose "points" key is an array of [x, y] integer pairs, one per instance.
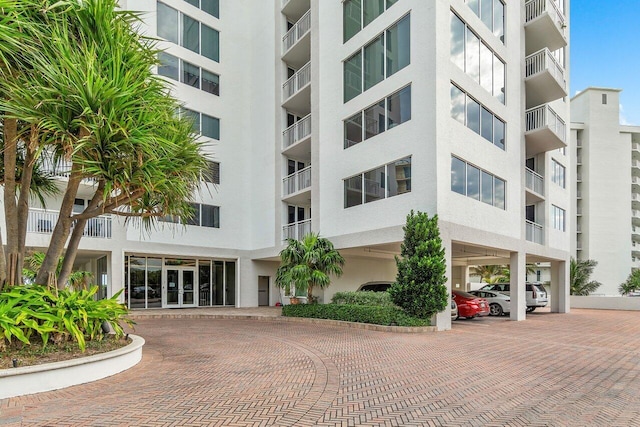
{"points": [[499, 304], [536, 294]]}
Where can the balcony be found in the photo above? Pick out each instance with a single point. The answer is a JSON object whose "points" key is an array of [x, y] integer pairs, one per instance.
{"points": [[579, 211], [534, 183], [635, 201], [62, 169], [43, 221], [296, 230], [294, 136], [544, 78], [296, 44], [296, 92], [635, 217], [545, 130], [294, 9], [544, 26], [295, 184], [635, 234], [535, 232], [579, 159]]}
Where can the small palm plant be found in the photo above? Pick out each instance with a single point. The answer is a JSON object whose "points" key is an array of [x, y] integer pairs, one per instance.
{"points": [[632, 283], [308, 263], [579, 272]]}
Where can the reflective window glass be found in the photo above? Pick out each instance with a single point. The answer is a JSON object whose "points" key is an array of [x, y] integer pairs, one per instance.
{"points": [[190, 33], [371, 10], [458, 100], [373, 63], [353, 77], [472, 55], [212, 7], [498, 133], [498, 19], [486, 68], [487, 188], [399, 107], [498, 79], [374, 183], [374, 119], [473, 182], [458, 175], [457, 41], [190, 74], [399, 177], [210, 126], [473, 115], [499, 193], [399, 46], [210, 43], [168, 66], [353, 191], [486, 13], [352, 18], [487, 125], [353, 130], [167, 23], [210, 82]]}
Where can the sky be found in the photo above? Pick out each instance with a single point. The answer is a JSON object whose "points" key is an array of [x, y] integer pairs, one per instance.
{"points": [[605, 50]]}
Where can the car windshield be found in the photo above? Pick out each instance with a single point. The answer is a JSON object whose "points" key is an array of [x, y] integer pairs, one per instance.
{"points": [[464, 294]]}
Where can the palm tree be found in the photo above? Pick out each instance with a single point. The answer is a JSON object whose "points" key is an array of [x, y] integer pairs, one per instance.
{"points": [[632, 283], [76, 83], [579, 273], [308, 263], [489, 273]]}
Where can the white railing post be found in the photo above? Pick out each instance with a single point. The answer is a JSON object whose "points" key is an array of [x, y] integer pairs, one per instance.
{"points": [[534, 181], [296, 82], [534, 232], [296, 32]]}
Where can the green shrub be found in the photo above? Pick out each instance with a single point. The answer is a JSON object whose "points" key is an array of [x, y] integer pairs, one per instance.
{"points": [[376, 315], [363, 298], [26, 311]]}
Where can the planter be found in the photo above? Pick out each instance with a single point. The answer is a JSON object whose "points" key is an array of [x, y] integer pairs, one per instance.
{"points": [[57, 375], [294, 300]]}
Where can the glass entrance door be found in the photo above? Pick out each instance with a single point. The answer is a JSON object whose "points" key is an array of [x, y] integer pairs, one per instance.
{"points": [[180, 287]]}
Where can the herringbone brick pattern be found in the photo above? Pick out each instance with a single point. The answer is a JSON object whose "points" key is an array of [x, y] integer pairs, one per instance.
{"points": [[580, 369]]}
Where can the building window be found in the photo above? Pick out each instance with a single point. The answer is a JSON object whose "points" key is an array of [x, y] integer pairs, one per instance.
{"points": [[204, 124], [194, 35], [491, 12], [385, 114], [477, 117], [356, 15], [558, 173], [477, 184], [385, 55], [476, 59], [213, 174], [558, 218], [203, 216], [382, 182], [212, 7], [187, 73], [604, 99]]}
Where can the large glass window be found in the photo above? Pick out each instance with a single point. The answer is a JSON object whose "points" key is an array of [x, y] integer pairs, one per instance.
{"points": [[558, 218], [386, 54], [213, 174], [187, 73], [384, 115], [190, 33], [190, 74], [210, 126], [476, 59], [168, 66], [476, 183], [357, 14], [210, 43], [491, 12], [212, 7], [210, 216], [230, 283], [167, 23], [210, 82], [382, 182], [558, 173], [477, 117]]}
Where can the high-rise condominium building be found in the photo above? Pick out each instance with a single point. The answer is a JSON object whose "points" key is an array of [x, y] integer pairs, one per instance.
{"points": [[340, 117], [607, 215]]}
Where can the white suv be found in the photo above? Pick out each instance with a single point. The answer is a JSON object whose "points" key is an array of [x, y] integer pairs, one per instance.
{"points": [[536, 294]]}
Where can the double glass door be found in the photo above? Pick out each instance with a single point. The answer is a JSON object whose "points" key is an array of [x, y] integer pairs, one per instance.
{"points": [[180, 287]]}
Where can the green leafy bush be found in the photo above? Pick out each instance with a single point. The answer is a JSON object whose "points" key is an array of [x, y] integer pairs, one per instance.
{"points": [[363, 298], [63, 315], [354, 313]]}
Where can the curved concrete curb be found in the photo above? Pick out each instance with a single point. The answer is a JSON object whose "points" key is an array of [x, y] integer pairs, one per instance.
{"points": [[355, 325], [53, 376]]}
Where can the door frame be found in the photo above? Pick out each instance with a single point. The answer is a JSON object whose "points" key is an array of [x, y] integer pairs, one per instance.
{"points": [[165, 286]]}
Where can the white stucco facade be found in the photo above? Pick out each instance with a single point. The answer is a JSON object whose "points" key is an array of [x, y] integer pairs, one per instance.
{"points": [[284, 168]]}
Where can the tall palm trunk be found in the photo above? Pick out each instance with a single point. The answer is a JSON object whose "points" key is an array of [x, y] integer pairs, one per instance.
{"points": [[23, 199], [13, 254]]}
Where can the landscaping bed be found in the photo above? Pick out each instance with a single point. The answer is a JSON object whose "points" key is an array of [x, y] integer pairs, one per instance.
{"points": [[377, 315]]}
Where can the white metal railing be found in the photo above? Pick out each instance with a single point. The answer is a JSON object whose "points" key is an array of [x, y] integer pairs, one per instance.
{"points": [[539, 117], [635, 146], [579, 194], [61, 169], [579, 210], [43, 221], [297, 181], [579, 159], [543, 60], [579, 177], [579, 228], [296, 132], [635, 180], [635, 197], [579, 246], [535, 8], [299, 80], [535, 232], [635, 163], [297, 230], [579, 143], [296, 32], [635, 213], [534, 181]]}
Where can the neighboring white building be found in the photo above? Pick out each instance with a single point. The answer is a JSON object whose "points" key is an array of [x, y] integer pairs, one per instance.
{"points": [[607, 187], [326, 117]]}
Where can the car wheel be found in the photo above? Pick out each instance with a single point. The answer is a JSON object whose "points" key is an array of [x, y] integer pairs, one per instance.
{"points": [[456, 318], [495, 309], [531, 309]]}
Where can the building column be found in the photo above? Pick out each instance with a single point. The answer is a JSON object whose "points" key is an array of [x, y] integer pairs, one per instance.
{"points": [[560, 299], [115, 261], [442, 320], [518, 286]]}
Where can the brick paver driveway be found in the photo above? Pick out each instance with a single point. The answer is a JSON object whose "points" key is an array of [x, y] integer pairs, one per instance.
{"points": [[580, 369]]}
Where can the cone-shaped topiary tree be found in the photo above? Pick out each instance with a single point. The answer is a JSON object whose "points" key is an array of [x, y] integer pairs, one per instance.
{"points": [[419, 287]]}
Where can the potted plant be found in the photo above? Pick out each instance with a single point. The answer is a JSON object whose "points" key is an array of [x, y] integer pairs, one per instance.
{"points": [[306, 264]]}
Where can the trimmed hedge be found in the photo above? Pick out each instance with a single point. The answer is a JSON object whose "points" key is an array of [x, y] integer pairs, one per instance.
{"points": [[382, 299], [354, 313]]}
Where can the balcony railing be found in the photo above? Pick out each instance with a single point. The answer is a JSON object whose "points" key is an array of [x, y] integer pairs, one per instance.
{"points": [[297, 230], [296, 132], [297, 181], [535, 8], [299, 80], [635, 197], [579, 143], [543, 60], [635, 146], [534, 181], [61, 169], [535, 232], [635, 163], [296, 32], [544, 116], [43, 221]]}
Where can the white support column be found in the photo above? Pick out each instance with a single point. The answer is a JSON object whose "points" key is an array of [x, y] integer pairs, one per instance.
{"points": [[560, 299], [518, 286], [117, 281], [442, 320]]}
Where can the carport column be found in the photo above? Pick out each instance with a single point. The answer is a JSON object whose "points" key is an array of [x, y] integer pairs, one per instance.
{"points": [[442, 320], [518, 286], [560, 299]]}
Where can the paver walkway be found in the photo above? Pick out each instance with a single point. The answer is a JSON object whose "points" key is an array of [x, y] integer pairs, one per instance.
{"points": [[580, 369]]}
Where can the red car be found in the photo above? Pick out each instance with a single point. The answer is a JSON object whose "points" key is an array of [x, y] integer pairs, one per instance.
{"points": [[470, 306]]}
